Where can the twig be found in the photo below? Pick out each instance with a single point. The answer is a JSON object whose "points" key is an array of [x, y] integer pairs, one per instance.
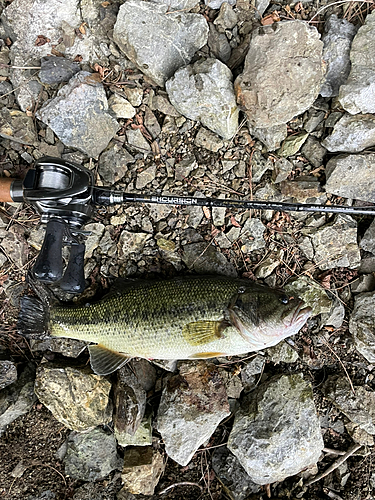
{"points": [[339, 2], [335, 465], [341, 363], [183, 483], [331, 451]]}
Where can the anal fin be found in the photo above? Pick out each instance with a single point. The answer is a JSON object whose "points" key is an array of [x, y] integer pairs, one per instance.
{"points": [[203, 332], [206, 355], [105, 361]]}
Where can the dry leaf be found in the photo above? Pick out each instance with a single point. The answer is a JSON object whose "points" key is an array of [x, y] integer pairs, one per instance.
{"points": [[78, 58], [82, 29], [270, 19], [234, 222], [41, 40], [105, 4]]}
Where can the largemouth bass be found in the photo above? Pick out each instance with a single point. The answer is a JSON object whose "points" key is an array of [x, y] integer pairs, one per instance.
{"points": [[180, 318]]}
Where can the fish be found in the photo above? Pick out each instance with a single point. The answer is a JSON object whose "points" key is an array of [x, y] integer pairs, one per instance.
{"points": [[193, 317]]}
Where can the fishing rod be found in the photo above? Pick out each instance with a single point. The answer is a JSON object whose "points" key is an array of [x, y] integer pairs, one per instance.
{"points": [[64, 194]]}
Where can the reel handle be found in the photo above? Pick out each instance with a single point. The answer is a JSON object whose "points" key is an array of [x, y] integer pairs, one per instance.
{"points": [[73, 280], [48, 267]]}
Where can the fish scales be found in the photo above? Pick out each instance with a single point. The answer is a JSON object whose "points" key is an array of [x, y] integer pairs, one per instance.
{"points": [[147, 318]]}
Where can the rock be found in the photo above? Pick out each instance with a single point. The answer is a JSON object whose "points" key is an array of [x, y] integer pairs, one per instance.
{"points": [[141, 437], [8, 373], [134, 95], [337, 40], [79, 115], [195, 216], [352, 176], [218, 216], [271, 137], [105, 490], [129, 402], [184, 5], [159, 212], [145, 177], [227, 18], [143, 467], [151, 123], [252, 371], [367, 242], [204, 92], [314, 151], [235, 480], [216, 4], [113, 163], [218, 44], [311, 293], [259, 166], [357, 95], [281, 170], [67, 347], [289, 53], [292, 144], [184, 167], [92, 241], [359, 408], [208, 140], [57, 69], [232, 382], [335, 244], [364, 283], [17, 126], [252, 235], [77, 398], [17, 398], [207, 260], [15, 247], [314, 119], [352, 134], [282, 353], [192, 405], [335, 317], [172, 39], [301, 188], [361, 325], [91, 456], [137, 140], [121, 107], [268, 265], [276, 432], [131, 243]]}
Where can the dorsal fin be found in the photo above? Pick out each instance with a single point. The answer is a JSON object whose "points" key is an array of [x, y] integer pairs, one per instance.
{"points": [[105, 361]]}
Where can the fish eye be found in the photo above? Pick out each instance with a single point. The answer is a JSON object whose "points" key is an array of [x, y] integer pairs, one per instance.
{"points": [[284, 299], [242, 289]]}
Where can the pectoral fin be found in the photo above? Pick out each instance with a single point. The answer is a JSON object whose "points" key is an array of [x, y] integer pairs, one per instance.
{"points": [[203, 332], [105, 361]]}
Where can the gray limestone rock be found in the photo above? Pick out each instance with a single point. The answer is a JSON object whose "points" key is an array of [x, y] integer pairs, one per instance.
{"points": [[227, 18], [337, 40], [281, 170], [358, 407], [352, 134], [57, 69], [192, 405], [335, 316], [113, 163], [218, 44], [314, 151], [352, 176], [77, 398], [92, 241], [364, 283], [276, 432], [141, 437], [68, 347], [8, 373], [357, 95], [121, 107], [143, 467], [216, 4], [17, 126], [156, 42], [207, 260], [335, 244], [271, 137], [281, 353], [130, 243], [90, 456], [172, 5], [129, 402], [252, 235], [204, 92], [79, 115], [137, 141], [17, 398], [252, 371], [361, 325], [235, 480], [15, 247], [208, 140], [311, 293], [367, 242], [145, 177], [289, 53]]}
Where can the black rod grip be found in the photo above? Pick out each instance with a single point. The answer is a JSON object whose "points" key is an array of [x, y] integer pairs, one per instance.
{"points": [[49, 264], [73, 280]]}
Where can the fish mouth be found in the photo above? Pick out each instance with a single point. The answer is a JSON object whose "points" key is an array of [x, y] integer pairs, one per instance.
{"points": [[301, 313]]}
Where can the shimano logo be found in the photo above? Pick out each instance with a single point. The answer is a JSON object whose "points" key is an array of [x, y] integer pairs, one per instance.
{"points": [[173, 201]]}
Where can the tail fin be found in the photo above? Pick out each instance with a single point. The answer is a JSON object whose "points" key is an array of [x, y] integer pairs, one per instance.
{"points": [[33, 318]]}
